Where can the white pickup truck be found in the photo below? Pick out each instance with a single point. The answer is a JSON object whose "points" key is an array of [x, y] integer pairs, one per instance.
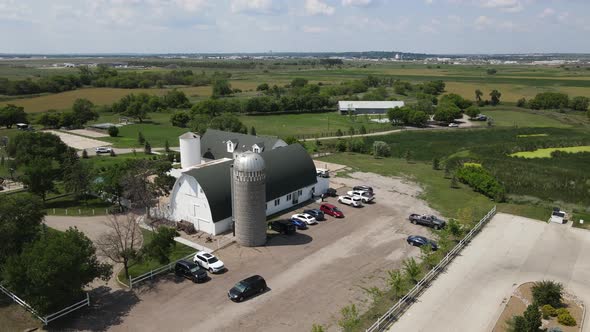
{"points": [[558, 216]]}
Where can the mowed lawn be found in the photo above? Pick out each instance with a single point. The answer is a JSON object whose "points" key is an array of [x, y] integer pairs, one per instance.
{"points": [[546, 153], [509, 116], [155, 134], [309, 124]]}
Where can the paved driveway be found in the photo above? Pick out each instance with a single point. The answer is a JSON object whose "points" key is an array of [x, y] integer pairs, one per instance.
{"points": [[510, 251]]}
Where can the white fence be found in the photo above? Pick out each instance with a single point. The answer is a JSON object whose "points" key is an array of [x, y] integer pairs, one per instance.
{"points": [[384, 321], [50, 317], [155, 272]]}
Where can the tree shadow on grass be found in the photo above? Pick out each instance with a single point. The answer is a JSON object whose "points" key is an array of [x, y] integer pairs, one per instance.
{"points": [[107, 309]]}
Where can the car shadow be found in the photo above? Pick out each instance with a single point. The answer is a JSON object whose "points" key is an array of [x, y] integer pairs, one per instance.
{"points": [[107, 308], [287, 240], [268, 289]]}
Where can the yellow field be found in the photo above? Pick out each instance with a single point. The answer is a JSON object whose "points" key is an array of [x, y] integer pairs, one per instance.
{"points": [[510, 92], [104, 96], [546, 153]]}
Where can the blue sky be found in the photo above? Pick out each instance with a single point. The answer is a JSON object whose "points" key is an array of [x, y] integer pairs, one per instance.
{"points": [[200, 26]]}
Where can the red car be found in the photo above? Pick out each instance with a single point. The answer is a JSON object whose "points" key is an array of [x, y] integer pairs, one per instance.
{"points": [[331, 210]]}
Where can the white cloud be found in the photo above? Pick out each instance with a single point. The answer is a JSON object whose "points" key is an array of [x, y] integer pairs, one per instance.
{"points": [[429, 2], [317, 7], [547, 12], [12, 10], [483, 22], [511, 6], [264, 7], [314, 29], [191, 5], [357, 3]]}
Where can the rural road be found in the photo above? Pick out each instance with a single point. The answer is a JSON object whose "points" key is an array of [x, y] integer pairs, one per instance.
{"points": [[508, 252]]}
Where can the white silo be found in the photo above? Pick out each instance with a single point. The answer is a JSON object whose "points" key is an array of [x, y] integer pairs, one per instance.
{"points": [[249, 199], [190, 149]]}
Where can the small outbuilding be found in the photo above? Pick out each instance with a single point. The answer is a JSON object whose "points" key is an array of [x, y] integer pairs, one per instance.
{"points": [[367, 107]]}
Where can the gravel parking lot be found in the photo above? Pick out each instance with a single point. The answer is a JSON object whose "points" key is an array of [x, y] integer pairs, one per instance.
{"points": [[311, 275], [510, 251], [78, 142]]}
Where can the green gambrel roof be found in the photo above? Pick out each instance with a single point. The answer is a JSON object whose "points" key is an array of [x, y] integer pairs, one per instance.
{"points": [[214, 143], [288, 169]]}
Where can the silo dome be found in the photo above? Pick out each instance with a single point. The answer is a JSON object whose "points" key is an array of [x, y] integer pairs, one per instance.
{"points": [[249, 162]]}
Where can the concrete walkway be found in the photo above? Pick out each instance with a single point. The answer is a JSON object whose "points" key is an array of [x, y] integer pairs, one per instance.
{"points": [[510, 251]]}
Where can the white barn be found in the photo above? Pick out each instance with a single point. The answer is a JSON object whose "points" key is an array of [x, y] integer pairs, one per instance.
{"points": [[367, 107], [202, 194]]}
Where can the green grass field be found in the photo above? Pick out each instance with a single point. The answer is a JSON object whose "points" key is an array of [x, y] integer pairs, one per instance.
{"points": [[70, 206], [179, 251], [299, 125], [507, 116], [546, 153], [437, 189]]}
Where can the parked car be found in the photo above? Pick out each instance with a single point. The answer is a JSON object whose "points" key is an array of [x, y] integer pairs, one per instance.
{"points": [[322, 172], [331, 210], [331, 192], [247, 288], [419, 241], [481, 117], [190, 271], [298, 223], [454, 125], [350, 200], [310, 220], [558, 216], [103, 149], [364, 188], [366, 197], [283, 227], [209, 262], [316, 213], [428, 220]]}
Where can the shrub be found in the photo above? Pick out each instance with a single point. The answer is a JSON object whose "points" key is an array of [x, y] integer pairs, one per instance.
{"points": [[381, 149], [84, 154], [339, 132], [547, 292], [566, 319], [561, 311], [113, 131], [113, 153], [350, 318], [547, 310], [180, 119], [532, 317], [482, 181], [147, 148], [140, 138], [521, 102]]}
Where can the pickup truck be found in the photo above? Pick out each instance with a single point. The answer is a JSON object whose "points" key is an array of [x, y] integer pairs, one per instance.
{"points": [[427, 220]]}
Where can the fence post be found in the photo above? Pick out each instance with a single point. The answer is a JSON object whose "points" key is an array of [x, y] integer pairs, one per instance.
{"points": [[53, 210], [79, 211], [66, 212], [92, 211]]}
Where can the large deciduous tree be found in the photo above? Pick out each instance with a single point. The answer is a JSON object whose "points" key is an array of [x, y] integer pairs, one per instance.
{"points": [[20, 218], [161, 244], [83, 110], [11, 115], [495, 97], [39, 175], [51, 273], [122, 242]]}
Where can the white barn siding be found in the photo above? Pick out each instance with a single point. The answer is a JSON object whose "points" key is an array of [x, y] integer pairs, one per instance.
{"points": [[189, 203]]}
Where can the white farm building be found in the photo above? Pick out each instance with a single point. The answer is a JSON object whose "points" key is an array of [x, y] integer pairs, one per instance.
{"points": [[203, 191], [367, 107]]}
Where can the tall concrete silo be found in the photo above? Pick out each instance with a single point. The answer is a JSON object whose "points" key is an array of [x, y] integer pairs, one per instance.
{"points": [[249, 199], [190, 149]]}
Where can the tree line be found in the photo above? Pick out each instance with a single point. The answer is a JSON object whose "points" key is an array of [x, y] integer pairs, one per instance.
{"points": [[555, 100], [105, 76]]}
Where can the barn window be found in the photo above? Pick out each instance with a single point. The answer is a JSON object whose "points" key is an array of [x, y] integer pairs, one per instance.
{"points": [[289, 197], [277, 201]]}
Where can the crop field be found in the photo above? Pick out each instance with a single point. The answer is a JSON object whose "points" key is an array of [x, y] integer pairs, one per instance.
{"points": [[546, 153], [514, 82]]}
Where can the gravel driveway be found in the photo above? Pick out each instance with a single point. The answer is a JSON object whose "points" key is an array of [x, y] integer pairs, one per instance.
{"points": [[311, 275]]}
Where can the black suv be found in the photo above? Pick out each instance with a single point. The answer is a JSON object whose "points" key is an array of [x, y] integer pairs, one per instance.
{"points": [[190, 271], [247, 288], [364, 188], [283, 227]]}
